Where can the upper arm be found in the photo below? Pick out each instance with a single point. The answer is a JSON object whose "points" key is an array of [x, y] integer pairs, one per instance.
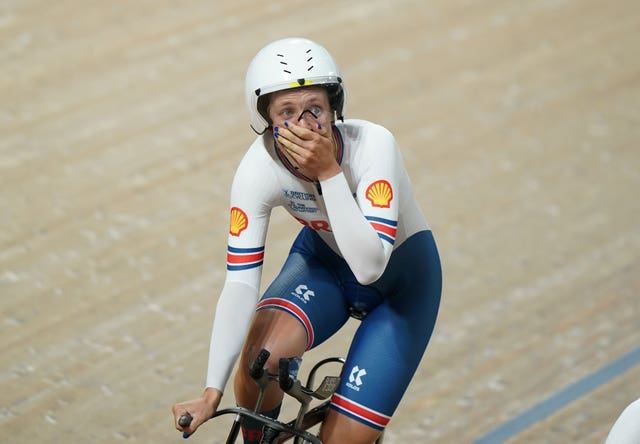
{"points": [[254, 193], [378, 185]]}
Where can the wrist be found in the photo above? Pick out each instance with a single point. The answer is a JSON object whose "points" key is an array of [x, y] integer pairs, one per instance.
{"points": [[212, 396], [329, 173]]}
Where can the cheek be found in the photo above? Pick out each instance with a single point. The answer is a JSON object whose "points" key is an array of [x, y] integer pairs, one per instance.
{"points": [[277, 121], [325, 120]]}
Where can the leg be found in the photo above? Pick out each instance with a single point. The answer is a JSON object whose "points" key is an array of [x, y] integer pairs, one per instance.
{"points": [[300, 309], [283, 336], [339, 429], [389, 344]]}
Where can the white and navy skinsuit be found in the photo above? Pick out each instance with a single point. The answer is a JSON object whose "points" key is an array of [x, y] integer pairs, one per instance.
{"points": [[365, 250]]}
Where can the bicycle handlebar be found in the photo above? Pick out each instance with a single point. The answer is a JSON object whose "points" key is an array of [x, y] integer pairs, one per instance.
{"points": [[256, 370], [287, 428], [284, 378], [289, 384], [185, 421]]}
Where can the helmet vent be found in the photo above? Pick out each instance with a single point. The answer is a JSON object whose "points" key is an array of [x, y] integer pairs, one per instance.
{"points": [[284, 63], [309, 60]]}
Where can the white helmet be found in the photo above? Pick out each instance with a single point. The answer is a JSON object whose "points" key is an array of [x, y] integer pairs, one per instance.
{"points": [[290, 63]]}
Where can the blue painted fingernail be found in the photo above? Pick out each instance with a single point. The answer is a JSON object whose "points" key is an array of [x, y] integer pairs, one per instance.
{"points": [[286, 124], [185, 435], [276, 135], [276, 129], [319, 126]]}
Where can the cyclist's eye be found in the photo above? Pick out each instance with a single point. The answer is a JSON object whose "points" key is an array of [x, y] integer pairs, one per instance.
{"points": [[316, 110], [286, 113]]}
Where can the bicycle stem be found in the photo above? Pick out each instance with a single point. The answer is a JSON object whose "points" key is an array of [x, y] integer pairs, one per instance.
{"points": [[292, 387]]}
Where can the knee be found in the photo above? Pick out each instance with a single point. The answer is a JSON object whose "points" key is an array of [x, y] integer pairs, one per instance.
{"points": [[278, 332]]}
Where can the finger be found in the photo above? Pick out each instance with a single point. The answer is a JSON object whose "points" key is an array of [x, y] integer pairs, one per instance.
{"points": [[306, 134], [290, 146], [295, 144], [295, 155], [300, 132], [175, 409], [288, 134], [324, 130]]}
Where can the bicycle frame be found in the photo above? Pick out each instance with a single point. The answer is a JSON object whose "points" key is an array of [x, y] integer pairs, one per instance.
{"points": [[285, 431], [275, 431]]}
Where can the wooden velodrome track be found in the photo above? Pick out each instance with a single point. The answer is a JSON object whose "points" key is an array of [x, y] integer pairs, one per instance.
{"points": [[121, 124]]}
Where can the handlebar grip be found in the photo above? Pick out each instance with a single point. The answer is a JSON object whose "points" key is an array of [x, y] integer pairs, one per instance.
{"points": [[257, 368], [185, 420], [284, 378]]}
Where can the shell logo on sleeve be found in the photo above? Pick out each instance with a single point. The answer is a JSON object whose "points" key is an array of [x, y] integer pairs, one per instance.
{"points": [[238, 221], [380, 194]]}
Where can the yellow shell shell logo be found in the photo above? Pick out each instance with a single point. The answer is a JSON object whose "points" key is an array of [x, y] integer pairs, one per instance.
{"points": [[238, 222], [380, 194]]}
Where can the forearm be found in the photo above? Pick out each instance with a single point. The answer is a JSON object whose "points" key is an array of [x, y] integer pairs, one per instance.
{"points": [[234, 313], [358, 242]]}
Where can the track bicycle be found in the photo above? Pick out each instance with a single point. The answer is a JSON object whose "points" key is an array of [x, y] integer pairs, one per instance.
{"points": [[275, 431]]}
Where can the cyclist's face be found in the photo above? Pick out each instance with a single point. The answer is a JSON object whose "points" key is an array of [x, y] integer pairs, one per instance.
{"points": [[307, 107]]}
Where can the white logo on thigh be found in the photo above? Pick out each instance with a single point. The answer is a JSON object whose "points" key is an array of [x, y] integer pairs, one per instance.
{"points": [[355, 378], [303, 293]]}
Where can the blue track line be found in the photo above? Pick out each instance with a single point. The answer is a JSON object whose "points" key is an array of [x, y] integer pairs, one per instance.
{"points": [[564, 397]]}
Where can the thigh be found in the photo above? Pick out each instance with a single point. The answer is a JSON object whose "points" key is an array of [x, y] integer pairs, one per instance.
{"points": [[310, 293], [280, 334], [391, 339]]}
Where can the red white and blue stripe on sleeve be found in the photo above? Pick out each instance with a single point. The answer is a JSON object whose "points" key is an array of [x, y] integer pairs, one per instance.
{"points": [[244, 258], [385, 228]]}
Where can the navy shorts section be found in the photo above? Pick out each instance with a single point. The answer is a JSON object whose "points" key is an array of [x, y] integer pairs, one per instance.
{"points": [[398, 315], [317, 287], [308, 291]]}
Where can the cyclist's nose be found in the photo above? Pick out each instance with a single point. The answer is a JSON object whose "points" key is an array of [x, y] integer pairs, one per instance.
{"points": [[308, 119]]}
